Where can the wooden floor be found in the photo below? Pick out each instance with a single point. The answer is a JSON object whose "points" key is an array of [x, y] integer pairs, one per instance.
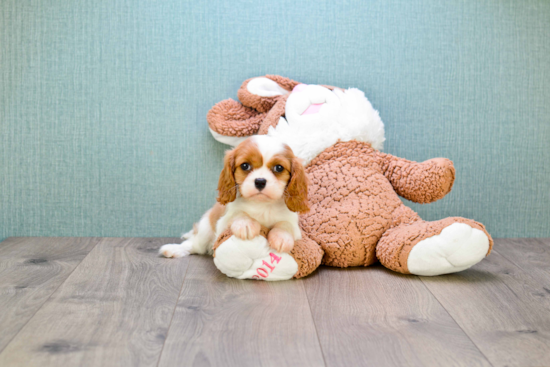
{"points": [[114, 302]]}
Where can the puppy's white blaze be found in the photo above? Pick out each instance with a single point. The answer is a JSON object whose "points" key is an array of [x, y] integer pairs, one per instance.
{"points": [[268, 146], [274, 188]]}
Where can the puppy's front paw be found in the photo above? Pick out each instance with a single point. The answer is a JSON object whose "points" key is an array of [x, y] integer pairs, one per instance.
{"points": [[245, 228], [280, 240]]}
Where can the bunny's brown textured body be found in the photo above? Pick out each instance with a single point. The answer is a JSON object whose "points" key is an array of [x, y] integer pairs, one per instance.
{"points": [[356, 216], [354, 202]]}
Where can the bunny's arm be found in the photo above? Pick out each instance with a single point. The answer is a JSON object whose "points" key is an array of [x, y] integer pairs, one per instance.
{"points": [[423, 182]]}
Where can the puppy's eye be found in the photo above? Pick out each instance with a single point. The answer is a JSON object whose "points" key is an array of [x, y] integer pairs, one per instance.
{"points": [[245, 166], [278, 168]]}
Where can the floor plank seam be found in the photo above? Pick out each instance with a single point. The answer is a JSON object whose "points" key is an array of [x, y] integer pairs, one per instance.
{"points": [[456, 322], [174, 310], [314, 325], [99, 239], [511, 261], [535, 280]]}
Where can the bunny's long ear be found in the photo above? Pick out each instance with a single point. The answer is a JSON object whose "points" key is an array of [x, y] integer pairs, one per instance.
{"points": [[272, 117], [230, 122], [263, 103], [263, 92]]}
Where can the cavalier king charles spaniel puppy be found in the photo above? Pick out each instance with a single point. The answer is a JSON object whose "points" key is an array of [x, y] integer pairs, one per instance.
{"points": [[262, 184]]}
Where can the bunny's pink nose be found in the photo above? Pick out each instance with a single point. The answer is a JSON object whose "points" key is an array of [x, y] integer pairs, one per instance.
{"points": [[299, 87]]}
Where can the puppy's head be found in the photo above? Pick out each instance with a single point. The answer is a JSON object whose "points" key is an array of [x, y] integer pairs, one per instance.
{"points": [[262, 169]]}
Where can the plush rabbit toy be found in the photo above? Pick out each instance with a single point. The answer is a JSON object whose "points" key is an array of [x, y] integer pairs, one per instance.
{"points": [[356, 216]]}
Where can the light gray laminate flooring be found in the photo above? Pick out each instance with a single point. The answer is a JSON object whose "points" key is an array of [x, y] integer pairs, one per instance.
{"points": [[115, 302]]}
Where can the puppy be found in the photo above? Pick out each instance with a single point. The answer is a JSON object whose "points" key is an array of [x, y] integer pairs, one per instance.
{"points": [[262, 183]]}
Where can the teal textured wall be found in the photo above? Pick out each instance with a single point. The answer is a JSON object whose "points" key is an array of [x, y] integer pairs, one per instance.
{"points": [[103, 103]]}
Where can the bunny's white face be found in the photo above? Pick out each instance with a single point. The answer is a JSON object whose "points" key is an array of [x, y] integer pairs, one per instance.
{"points": [[316, 117], [312, 104]]}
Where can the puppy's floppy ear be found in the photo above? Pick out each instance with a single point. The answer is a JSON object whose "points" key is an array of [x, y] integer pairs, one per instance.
{"points": [[227, 187], [296, 190]]}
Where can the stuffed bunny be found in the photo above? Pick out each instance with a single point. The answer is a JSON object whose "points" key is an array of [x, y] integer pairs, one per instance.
{"points": [[356, 216]]}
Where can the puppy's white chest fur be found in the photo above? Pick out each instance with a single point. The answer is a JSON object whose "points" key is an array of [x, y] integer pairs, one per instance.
{"points": [[267, 214]]}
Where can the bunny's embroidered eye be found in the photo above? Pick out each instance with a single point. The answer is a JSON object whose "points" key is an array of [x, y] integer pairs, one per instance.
{"points": [[245, 166], [278, 168]]}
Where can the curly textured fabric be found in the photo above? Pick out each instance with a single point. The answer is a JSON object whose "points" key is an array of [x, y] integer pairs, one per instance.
{"points": [[423, 182], [259, 103], [308, 255], [356, 215], [352, 204], [230, 118], [404, 215], [396, 244]]}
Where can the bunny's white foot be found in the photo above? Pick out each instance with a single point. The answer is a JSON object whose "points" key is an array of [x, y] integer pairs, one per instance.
{"points": [[253, 259]]}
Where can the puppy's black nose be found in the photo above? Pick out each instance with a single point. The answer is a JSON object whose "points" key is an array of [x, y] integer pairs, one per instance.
{"points": [[260, 183]]}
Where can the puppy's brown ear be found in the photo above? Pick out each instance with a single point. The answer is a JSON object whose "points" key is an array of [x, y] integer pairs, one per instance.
{"points": [[296, 191], [227, 187]]}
